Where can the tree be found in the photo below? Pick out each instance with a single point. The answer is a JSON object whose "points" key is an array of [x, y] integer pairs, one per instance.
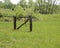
{"points": [[31, 3], [1, 4], [8, 4], [46, 6], [18, 11], [22, 3]]}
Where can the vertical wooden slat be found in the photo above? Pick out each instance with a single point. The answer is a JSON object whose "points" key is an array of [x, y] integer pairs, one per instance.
{"points": [[30, 20], [14, 23]]}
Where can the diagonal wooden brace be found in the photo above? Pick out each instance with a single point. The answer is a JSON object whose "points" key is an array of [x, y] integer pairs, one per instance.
{"points": [[23, 24]]}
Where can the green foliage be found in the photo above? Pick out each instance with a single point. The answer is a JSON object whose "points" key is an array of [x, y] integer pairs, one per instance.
{"points": [[31, 3], [23, 3], [18, 11], [1, 5], [8, 4], [6, 12], [31, 8], [46, 7]]}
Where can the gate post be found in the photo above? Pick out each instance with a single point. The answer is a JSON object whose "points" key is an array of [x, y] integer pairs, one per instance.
{"points": [[30, 20], [14, 19]]}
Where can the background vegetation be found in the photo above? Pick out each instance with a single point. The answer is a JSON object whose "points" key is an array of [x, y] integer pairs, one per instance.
{"points": [[24, 8]]}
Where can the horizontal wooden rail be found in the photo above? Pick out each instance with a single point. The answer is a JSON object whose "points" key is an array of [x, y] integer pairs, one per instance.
{"points": [[19, 16]]}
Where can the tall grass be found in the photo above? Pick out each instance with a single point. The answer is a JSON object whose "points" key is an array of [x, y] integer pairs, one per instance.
{"points": [[45, 34]]}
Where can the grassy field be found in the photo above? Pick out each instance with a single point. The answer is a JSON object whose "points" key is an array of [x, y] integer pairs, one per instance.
{"points": [[45, 34]]}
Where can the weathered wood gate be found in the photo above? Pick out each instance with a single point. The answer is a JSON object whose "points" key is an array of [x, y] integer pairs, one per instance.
{"points": [[29, 19]]}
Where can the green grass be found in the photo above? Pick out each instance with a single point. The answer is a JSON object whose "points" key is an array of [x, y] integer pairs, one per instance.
{"points": [[45, 34]]}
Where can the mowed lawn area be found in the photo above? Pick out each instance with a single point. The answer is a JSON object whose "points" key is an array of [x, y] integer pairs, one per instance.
{"points": [[45, 34]]}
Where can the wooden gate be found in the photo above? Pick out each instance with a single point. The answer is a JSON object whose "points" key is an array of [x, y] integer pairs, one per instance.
{"points": [[29, 19]]}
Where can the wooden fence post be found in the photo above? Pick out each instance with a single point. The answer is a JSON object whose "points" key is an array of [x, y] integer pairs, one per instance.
{"points": [[14, 23], [30, 20]]}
